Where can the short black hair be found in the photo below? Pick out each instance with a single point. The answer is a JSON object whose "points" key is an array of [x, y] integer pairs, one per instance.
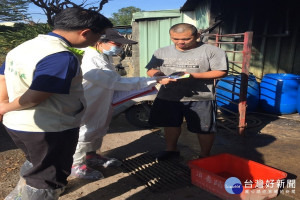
{"points": [[181, 27], [103, 40], [77, 18]]}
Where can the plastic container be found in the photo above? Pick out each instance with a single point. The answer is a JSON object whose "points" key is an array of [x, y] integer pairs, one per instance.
{"points": [[228, 90], [298, 100], [278, 93], [213, 172]]}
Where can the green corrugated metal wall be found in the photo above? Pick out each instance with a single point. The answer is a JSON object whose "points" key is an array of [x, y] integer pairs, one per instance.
{"points": [[154, 32], [273, 51], [154, 29]]}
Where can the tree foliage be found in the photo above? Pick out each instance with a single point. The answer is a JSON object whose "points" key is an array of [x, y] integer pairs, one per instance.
{"points": [[52, 7], [13, 10], [11, 37], [124, 16]]}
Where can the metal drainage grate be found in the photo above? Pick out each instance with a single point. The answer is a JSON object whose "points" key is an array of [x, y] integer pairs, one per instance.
{"points": [[232, 122], [158, 176]]}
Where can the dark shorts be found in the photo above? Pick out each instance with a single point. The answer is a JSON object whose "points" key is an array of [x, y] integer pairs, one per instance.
{"points": [[200, 116]]}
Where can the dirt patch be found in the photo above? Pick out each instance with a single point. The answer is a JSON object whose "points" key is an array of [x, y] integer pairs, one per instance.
{"points": [[124, 142], [274, 142]]}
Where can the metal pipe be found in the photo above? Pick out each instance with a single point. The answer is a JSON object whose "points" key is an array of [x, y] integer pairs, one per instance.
{"points": [[226, 42]]}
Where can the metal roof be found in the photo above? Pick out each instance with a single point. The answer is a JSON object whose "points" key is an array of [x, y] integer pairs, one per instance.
{"points": [[189, 5], [156, 14]]}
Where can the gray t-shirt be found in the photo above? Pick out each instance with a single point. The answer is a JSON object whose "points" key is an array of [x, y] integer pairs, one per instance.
{"points": [[203, 58]]}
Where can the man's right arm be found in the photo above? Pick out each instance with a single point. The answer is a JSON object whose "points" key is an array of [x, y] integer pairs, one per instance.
{"points": [[29, 99], [153, 67], [3, 92], [155, 72], [46, 81], [3, 89]]}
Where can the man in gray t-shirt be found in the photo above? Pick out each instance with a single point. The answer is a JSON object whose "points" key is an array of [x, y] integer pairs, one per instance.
{"points": [[192, 98]]}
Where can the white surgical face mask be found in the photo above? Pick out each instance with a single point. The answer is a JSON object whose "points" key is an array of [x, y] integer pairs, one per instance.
{"points": [[114, 50]]}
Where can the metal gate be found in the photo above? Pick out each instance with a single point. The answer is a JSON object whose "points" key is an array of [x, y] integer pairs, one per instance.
{"points": [[238, 49]]}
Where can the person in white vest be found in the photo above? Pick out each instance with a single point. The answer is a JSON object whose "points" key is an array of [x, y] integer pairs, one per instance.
{"points": [[42, 101], [100, 80]]}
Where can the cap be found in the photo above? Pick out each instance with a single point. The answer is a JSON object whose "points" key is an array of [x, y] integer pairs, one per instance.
{"points": [[115, 36]]}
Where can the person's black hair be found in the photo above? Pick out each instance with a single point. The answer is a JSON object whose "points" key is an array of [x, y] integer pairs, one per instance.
{"points": [[103, 40], [181, 27], [76, 18]]}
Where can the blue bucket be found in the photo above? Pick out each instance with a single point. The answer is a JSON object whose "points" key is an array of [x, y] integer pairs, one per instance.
{"points": [[278, 93], [228, 90], [298, 100]]}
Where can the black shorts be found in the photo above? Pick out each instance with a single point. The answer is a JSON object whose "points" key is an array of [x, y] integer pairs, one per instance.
{"points": [[200, 116]]}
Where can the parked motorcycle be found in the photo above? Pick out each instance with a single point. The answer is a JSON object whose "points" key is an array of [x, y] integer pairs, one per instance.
{"points": [[137, 110]]}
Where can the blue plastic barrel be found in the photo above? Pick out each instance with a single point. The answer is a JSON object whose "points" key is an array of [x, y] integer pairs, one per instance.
{"points": [[278, 93], [228, 90], [298, 100]]}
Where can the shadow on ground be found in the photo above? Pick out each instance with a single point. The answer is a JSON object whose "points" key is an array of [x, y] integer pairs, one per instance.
{"points": [[270, 140]]}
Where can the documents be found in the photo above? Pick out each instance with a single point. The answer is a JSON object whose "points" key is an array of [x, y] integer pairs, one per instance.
{"points": [[176, 76]]}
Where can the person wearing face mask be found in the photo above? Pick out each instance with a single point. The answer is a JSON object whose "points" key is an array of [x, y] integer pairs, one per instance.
{"points": [[113, 50], [100, 80]]}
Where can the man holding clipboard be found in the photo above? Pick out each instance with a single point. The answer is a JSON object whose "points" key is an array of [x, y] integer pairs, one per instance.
{"points": [[193, 96]]}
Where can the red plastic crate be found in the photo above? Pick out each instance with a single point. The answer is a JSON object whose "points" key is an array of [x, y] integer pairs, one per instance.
{"points": [[211, 173]]}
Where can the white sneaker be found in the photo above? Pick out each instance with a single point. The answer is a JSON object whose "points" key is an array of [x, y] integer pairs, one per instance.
{"points": [[82, 171], [97, 160], [16, 194]]}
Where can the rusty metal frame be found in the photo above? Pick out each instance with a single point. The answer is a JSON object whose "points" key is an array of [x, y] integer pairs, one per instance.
{"points": [[246, 56]]}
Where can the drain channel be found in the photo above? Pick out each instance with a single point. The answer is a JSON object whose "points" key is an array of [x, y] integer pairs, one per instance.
{"points": [[158, 176]]}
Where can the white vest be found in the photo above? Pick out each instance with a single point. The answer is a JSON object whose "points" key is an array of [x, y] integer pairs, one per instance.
{"points": [[59, 112]]}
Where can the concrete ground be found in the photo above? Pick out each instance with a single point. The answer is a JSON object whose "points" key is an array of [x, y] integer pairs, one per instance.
{"points": [[270, 140]]}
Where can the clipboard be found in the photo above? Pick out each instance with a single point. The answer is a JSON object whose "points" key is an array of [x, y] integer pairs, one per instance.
{"points": [[123, 96], [175, 76]]}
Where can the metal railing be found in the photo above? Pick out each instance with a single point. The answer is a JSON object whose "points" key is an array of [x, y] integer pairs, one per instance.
{"points": [[238, 49]]}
